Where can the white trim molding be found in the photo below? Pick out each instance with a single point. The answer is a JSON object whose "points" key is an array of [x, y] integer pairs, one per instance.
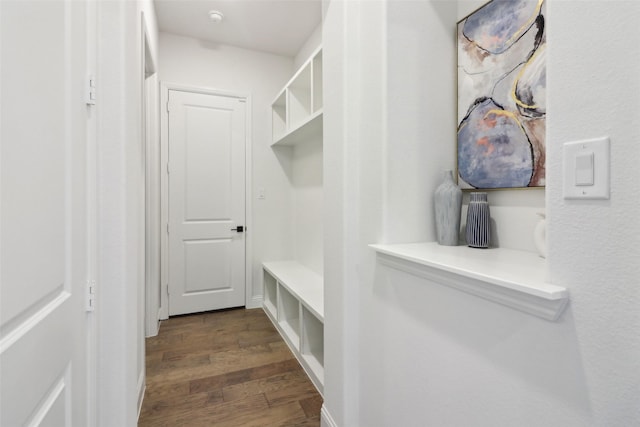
{"points": [[326, 420], [255, 301], [142, 388]]}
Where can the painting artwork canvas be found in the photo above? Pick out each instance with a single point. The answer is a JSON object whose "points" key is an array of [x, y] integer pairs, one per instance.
{"points": [[502, 96]]}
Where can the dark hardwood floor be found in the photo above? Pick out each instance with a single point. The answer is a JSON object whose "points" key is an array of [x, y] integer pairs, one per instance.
{"points": [[225, 368]]}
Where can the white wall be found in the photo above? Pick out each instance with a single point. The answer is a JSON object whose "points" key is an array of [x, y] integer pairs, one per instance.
{"points": [[593, 82], [310, 45], [306, 180], [429, 355], [120, 200], [340, 350], [194, 62], [145, 13]]}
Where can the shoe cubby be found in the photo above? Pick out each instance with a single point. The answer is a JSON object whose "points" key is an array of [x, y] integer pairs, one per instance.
{"points": [[312, 343], [289, 316]]}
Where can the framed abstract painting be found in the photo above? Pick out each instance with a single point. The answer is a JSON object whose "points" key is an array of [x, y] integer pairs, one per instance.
{"points": [[502, 96]]}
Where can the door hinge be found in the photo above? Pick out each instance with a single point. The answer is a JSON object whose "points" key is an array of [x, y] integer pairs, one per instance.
{"points": [[167, 228], [91, 90], [167, 288], [168, 110], [167, 168], [91, 295]]}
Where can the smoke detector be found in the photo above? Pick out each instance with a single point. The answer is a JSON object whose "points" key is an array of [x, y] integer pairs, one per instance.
{"points": [[216, 16]]}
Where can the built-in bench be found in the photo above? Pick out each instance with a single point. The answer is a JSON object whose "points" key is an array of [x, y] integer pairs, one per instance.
{"points": [[294, 301]]}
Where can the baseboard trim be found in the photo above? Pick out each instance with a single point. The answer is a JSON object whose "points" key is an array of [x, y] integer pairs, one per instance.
{"points": [[326, 420], [142, 386], [255, 302]]}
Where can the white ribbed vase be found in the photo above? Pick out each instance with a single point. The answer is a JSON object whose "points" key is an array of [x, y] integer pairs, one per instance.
{"points": [[478, 231], [447, 200]]}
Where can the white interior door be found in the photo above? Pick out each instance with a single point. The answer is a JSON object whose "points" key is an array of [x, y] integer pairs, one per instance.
{"points": [[206, 202], [43, 220]]}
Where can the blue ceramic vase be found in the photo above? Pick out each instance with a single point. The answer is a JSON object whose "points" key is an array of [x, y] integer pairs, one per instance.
{"points": [[478, 231]]}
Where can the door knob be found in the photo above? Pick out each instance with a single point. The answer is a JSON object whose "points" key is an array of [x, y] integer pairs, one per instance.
{"points": [[239, 229]]}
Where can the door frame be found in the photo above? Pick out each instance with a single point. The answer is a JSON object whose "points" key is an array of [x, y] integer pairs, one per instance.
{"points": [[150, 136], [164, 188]]}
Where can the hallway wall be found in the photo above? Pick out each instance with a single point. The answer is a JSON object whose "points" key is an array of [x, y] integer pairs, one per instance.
{"points": [[120, 208], [407, 351], [593, 244], [192, 62]]}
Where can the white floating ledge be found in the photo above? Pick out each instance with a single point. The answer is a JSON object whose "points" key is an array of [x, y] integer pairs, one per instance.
{"points": [[509, 277]]}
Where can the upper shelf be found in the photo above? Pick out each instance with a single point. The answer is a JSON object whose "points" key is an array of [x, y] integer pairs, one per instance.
{"points": [[305, 130], [297, 110], [510, 277]]}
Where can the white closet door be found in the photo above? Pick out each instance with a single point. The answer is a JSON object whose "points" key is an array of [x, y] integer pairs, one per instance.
{"points": [[43, 225], [206, 202]]}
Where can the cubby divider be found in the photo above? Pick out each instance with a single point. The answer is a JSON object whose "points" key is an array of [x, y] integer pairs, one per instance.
{"points": [[316, 72], [270, 295]]}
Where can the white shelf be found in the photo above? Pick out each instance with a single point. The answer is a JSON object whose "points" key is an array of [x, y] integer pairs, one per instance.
{"points": [[299, 314], [307, 129], [297, 110], [513, 278]]}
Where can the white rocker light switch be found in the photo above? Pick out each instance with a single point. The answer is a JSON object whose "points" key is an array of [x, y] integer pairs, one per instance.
{"points": [[584, 169]]}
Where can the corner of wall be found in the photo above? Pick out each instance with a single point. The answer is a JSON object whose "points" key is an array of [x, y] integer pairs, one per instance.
{"points": [[313, 42]]}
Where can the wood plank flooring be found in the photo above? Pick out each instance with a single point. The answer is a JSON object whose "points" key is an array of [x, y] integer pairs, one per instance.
{"points": [[225, 368]]}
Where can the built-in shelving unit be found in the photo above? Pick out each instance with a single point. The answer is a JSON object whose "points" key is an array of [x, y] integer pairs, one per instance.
{"points": [[297, 109], [510, 277], [294, 301], [293, 291]]}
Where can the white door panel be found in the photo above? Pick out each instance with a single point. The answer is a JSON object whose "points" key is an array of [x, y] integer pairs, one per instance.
{"points": [[43, 229], [206, 201]]}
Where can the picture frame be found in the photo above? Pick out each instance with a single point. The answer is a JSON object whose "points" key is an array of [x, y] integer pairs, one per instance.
{"points": [[501, 97]]}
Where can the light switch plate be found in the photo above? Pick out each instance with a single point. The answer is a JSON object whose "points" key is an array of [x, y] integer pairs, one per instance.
{"points": [[574, 155]]}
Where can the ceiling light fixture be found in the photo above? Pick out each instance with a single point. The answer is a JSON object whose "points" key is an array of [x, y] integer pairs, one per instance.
{"points": [[216, 16]]}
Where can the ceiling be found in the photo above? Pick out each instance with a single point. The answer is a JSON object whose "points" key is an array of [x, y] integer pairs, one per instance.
{"points": [[275, 26]]}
